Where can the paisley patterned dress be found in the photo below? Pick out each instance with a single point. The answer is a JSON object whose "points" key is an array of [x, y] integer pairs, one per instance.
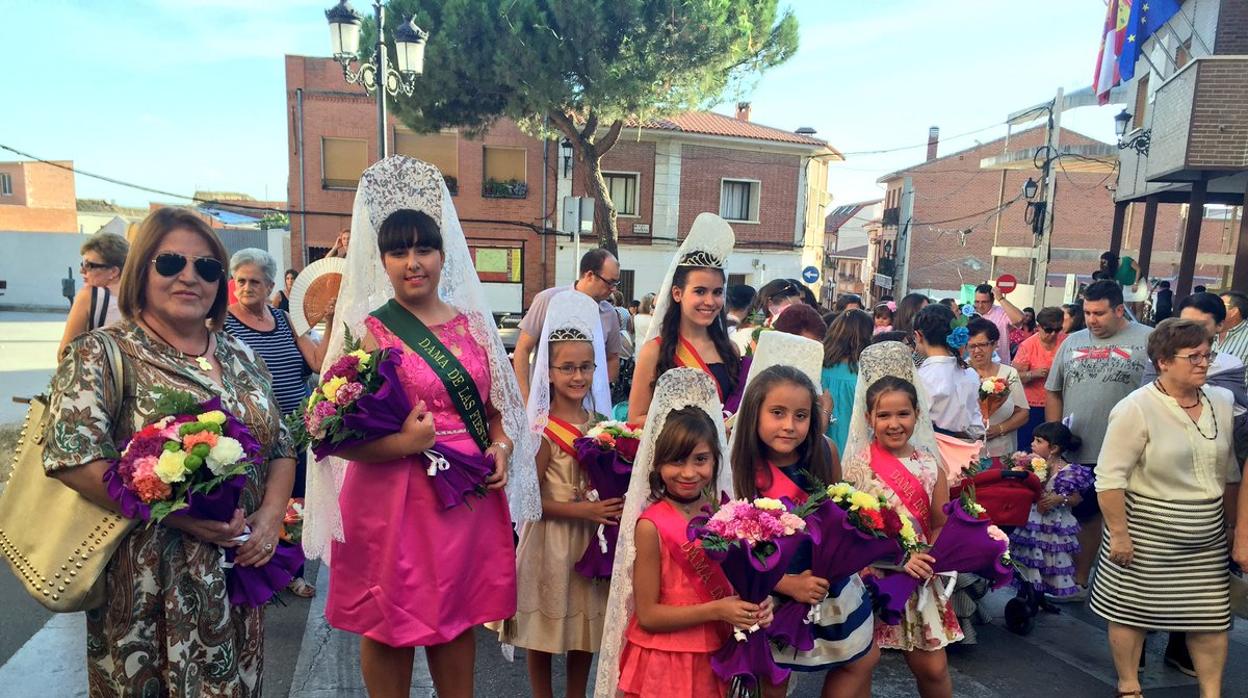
{"points": [[167, 627]]}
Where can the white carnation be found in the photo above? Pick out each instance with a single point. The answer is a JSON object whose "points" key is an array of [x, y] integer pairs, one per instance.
{"points": [[224, 455]]}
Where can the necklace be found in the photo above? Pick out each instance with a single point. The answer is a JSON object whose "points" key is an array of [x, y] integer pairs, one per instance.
{"points": [[1162, 388], [202, 363], [683, 503], [1208, 408]]}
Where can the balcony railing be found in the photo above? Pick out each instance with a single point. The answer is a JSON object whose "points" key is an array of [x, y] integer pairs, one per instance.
{"points": [[1200, 121]]}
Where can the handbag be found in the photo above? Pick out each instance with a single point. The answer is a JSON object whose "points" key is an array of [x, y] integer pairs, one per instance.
{"points": [[56, 541]]}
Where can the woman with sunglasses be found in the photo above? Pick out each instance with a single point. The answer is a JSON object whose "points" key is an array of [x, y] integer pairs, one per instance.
{"points": [[95, 305], [167, 626], [1032, 360]]}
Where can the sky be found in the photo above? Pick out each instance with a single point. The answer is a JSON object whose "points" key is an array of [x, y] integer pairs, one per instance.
{"points": [[186, 95]]}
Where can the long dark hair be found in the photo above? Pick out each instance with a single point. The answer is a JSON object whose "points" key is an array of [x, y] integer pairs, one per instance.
{"points": [[684, 430], [848, 335], [669, 335], [935, 323], [907, 310], [747, 449]]}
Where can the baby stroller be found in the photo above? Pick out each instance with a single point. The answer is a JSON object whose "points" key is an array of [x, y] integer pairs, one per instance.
{"points": [[1008, 496]]}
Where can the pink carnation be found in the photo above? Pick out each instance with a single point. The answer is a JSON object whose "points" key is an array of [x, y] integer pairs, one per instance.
{"points": [[997, 534], [346, 366], [324, 409], [349, 393], [203, 437], [146, 484]]}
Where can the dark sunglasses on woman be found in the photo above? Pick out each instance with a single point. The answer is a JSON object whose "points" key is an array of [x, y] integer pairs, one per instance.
{"points": [[171, 264]]}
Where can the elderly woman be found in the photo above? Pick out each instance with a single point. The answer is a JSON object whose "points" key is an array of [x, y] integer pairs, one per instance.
{"points": [[95, 305], [167, 626], [1160, 479], [1007, 413], [290, 359]]}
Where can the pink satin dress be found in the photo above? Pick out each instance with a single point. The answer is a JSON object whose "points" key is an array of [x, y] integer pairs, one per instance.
{"points": [[408, 573]]}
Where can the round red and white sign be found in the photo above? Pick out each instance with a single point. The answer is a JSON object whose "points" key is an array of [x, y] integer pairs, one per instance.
{"points": [[1007, 283]]}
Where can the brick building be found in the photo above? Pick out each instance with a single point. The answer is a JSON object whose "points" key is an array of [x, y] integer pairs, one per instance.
{"points": [[769, 183], [37, 197], [847, 232], [1187, 143], [498, 181], [954, 223]]}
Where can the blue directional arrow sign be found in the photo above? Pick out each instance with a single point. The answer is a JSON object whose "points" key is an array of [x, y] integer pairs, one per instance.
{"points": [[810, 274]]}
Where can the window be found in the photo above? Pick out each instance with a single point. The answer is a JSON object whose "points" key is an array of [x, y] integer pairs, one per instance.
{"points": [[623, 191], [736, 280], [438, 149], [342, 162], [1141, 101], [738, 200], [628, 283], [6, 184], [504, 173]]}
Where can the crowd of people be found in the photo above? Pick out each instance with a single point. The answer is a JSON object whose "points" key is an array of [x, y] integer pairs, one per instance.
{"points": [[736, 392]]}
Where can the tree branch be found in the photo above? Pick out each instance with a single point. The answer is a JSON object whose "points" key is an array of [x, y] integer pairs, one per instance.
{"points": [[613, 135], [591, 126]]}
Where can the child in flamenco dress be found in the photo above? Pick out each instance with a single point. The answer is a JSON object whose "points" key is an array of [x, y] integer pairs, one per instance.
{"points": [[1047, 545]]}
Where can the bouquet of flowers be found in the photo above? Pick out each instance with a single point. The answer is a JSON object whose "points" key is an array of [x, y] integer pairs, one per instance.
{"points": [[606, 454], [993, 392], [753, 543], [1027, 462], [292, 522], [360, 399], [966, 544], [194, 460], [849, 529]]}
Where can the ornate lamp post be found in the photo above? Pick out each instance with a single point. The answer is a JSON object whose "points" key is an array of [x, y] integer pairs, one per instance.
{"points": [[409, 45], [1139, 141]]}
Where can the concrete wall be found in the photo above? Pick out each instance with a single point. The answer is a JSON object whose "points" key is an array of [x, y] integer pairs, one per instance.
{"points": [[33, 265]]}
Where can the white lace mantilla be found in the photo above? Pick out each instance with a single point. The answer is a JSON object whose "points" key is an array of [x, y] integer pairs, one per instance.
{"points": [[710, 235], [569, 310]]}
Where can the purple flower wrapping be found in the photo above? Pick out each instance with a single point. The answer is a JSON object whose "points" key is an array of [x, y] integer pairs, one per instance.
{"points": [[608, 473], [963, 546], [132, 507], [373, 415], [753, 579], [463, 474], [839, 549], [254, 586]]}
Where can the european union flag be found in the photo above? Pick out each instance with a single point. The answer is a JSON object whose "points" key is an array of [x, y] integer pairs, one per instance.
{"points": [[1146, 18]]}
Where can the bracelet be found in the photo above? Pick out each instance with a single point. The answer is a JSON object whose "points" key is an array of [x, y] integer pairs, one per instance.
{"points": [[503, 445]]}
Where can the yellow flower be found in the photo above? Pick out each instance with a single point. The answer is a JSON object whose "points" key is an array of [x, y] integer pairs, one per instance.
{"points": [[213, 417], [171, 467], [331, 386], [907, 530], [363, 356], [1037, 463], [862, 500], [840, 491], [769, 503]]}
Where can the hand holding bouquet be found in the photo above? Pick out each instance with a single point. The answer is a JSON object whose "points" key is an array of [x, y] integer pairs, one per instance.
{"points": [[753, 543], [993, 392], [606, 454]]}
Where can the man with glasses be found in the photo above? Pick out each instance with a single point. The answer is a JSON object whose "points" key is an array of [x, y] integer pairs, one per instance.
{"points": [[1094, 368], [599, 276], [992, 306]]}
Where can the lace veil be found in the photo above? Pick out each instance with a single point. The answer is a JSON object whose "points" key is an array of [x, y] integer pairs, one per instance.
{"points": [[708, 244], [676, 389], [876, 362], [571, 315], [783, 349], [391, 184]]}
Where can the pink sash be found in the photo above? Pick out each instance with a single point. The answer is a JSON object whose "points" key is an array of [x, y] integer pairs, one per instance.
{"points": [[775, 484], [907, 487], [688, 554]]}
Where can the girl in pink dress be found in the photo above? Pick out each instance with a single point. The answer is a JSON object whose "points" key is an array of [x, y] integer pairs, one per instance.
{"points": [[408, 573]]}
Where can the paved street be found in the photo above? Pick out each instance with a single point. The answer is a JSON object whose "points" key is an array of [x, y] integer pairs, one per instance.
{"points": [[43, 655]]}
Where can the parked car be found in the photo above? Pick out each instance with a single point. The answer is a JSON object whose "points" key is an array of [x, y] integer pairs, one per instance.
{"points": [[509, 329]]}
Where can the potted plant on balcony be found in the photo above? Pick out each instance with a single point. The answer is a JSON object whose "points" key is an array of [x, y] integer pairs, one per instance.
{"points": [[509, 189]]}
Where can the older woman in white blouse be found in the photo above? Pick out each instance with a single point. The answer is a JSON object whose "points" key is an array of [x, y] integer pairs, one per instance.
{"points": [[1160, 479]]}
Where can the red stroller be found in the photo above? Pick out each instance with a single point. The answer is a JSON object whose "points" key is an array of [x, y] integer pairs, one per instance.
{"points": [[1008, 496]]}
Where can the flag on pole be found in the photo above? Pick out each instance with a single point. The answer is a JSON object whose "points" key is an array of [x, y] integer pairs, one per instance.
{"points": [[1113, 35], [1145, 18]]}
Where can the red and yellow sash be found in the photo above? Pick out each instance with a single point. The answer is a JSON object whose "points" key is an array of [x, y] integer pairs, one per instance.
{"points": [[907, 487], [688, 357], [562, 434], [711, 584], [772, 482]]}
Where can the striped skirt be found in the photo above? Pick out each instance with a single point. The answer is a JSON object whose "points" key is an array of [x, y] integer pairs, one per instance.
{"points": [[1178, 578], [843, 633]]}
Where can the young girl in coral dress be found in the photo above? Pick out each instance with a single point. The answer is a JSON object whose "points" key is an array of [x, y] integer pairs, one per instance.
{"points": [[559, 611], [684, 607], [902, 466]]}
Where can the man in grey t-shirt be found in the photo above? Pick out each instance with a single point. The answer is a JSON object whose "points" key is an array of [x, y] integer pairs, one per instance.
{"points": [[600, 275], [1092, 371]]}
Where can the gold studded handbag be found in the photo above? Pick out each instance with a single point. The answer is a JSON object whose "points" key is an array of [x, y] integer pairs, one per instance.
{"points": [[57, 541]]}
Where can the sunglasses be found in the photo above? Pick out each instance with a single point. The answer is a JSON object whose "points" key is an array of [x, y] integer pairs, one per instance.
{"points": [[171, 264], [1051, 330], [92, 266]]}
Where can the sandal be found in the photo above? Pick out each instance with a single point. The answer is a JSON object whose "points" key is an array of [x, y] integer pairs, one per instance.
{"points": [[1127, 694], [303, 590]]}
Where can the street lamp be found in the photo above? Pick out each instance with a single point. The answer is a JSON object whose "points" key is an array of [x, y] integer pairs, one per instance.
{"points": [[1139, 141], [1030, 188], [565, 151], [409, 45]]}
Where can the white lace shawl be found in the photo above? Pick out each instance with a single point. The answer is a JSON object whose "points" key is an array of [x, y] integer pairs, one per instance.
{"points": [[676, 389], [569, 310], [876, 362], [710, 235], [391, 184]]}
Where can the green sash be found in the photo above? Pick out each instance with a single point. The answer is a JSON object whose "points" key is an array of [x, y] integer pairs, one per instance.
{"points": [[459, 384]]}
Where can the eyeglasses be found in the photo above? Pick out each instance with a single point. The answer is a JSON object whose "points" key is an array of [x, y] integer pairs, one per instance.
{"points": [[613, 283], [979, 345], [1197, 359], [171, 264], [92, 266], [573, 369]]}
